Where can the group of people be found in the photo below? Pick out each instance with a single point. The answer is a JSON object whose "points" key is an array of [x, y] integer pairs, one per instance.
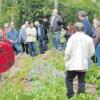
{"points": [[31, 33], [80, 50], [82, 39], [25, 39]]}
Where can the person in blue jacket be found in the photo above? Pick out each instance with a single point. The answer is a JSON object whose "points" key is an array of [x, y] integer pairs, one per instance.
{"points": [[85, 20], [13, 36]]}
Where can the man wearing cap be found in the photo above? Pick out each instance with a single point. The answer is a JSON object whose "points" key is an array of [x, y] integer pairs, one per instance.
{"points": [[80, 48], [87, 25]]}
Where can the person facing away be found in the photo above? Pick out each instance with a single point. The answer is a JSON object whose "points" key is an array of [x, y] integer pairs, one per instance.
{"points": [[80, 48], [85, 20], [31, 38]]}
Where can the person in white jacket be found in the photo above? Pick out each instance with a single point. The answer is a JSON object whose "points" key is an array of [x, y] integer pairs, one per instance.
{"points": [[80, 48], [31, 37]]}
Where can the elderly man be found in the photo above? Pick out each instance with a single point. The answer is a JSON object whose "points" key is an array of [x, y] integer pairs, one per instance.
{"points": [[80, 48], [55, 25], [87, 25]]}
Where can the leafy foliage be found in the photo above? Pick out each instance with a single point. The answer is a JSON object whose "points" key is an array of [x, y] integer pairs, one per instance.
{"points": [[22, 10]]}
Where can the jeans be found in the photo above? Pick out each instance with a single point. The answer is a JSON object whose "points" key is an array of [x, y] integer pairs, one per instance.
{"points": [[56, 40], [42, 45], [17, 48], [32, 48], [70, 75], [63, 46], [25, 47]]}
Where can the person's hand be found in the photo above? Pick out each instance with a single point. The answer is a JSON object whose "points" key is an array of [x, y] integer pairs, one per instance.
{"points": [[11, 41]]}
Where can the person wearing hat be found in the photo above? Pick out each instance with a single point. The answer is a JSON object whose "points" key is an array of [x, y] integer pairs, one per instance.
{"points": [[82, 15], [80, 48]]}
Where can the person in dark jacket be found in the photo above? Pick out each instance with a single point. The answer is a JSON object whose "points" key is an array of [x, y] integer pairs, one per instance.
{"points": [[41, 37], [45, 24], [87, 25], [55, 25]]}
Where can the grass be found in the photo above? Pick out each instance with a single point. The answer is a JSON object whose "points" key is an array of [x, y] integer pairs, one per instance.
{"points": [[41, 78]]}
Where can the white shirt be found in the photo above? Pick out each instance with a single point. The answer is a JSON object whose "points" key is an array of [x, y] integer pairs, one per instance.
{"points": [[80, 48], [31, 34], [52, 20]]}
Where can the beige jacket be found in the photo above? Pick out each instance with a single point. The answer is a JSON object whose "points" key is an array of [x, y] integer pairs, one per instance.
{"points": [[31, 34], [80, 48]]}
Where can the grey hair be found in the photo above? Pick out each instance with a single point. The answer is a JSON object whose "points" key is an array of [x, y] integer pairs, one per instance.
{"points": [[79, 26]]}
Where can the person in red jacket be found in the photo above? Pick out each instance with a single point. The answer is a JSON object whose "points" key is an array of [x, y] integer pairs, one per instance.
{"points": [[7, 57]]}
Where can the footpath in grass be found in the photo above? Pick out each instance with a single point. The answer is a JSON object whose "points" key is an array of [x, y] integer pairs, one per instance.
{"points": [[43, 78]]}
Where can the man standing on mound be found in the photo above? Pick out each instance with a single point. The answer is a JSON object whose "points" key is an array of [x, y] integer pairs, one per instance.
{"points": [[80, 48]]}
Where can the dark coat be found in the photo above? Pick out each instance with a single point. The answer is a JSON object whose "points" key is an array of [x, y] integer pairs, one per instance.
{"points": [[58, 20]]}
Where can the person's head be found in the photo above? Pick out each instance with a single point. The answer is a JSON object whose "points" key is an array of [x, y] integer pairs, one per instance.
{"points": [[23, 26], [55, 12], [79, 26], [71, 28], [6, 25], [12, 23], [96, 22], [45, 19], [12, 28], [26, 24], [36, 23], [82, 15], [31, 24]]}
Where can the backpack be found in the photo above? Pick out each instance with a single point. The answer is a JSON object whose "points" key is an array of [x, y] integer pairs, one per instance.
{"points": [[7, 58]]}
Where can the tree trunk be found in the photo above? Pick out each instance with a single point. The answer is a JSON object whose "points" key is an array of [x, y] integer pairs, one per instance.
{"points": [[56, 4]]}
